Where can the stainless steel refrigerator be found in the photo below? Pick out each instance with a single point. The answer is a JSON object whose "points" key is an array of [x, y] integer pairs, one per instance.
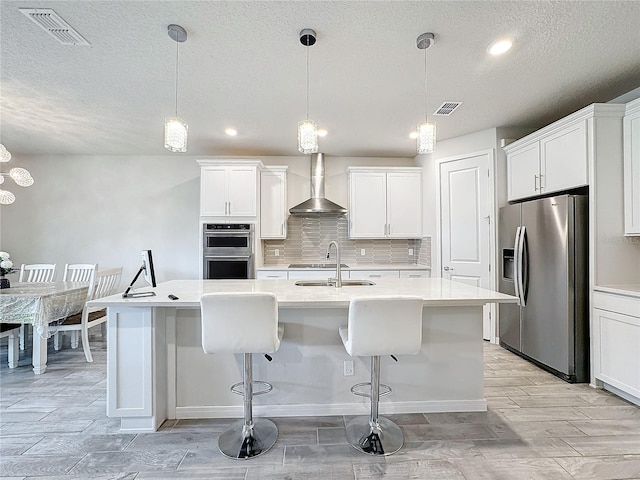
{"points": [[543, 248]]}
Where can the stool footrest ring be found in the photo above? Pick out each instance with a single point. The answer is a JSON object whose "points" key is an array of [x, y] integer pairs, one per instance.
{"points": [[238, 388], [364, 389]]}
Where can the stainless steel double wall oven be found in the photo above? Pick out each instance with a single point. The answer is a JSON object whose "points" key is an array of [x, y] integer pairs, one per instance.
{"points": [[228, 251]]}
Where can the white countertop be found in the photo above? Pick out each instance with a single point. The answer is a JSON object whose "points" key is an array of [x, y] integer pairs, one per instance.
{"points": [[434, 291], [628, 290], [353, 266]]}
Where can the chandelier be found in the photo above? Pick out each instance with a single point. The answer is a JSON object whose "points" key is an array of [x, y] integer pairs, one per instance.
{"points": [[21, 176]]}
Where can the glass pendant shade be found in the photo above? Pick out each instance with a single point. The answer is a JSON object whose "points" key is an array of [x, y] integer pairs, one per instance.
{"points": [[307, 137], [175, 135], [426, 140], [5, 155], [6, 198]]}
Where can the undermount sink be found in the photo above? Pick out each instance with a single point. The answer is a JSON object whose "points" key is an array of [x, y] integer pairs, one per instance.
{"points": [[327, 283]]}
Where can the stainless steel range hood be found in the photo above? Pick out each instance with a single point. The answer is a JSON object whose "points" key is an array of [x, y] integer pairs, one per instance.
{"points": [[317, 204]]}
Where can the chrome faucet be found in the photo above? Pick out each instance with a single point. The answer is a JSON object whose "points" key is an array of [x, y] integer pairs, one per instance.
{"points": [[338, 279]]}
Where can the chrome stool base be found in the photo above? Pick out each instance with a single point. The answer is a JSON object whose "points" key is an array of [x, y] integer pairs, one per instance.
{"points": [[242, 442], [384, 438]]}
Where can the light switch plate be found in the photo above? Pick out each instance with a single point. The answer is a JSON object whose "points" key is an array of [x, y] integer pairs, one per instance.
{"points": [[348, 368], [362, 252], [277, 252]]}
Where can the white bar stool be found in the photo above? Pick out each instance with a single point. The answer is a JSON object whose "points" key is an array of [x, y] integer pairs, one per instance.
{"points": [[243, 323], [380, 326]]}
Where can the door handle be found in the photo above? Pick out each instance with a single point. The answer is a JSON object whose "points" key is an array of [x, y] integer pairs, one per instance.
{"points": [[521, 259], [448, 269], [516, 264]]}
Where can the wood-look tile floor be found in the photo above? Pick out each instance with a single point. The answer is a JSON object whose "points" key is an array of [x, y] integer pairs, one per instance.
{"points": [[54, 427]]}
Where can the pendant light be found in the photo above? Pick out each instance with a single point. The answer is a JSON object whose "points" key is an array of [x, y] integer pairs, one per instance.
{"points": [[175, 129], [307, 129], [426, 140], [20, 176]]}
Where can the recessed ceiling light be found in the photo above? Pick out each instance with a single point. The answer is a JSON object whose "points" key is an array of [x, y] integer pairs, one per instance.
{"points": [[500, 46], [413, 135], [232, 132], [322, 132]]}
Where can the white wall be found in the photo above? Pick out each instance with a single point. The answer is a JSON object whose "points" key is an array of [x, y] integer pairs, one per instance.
{"points": [[474, 142], [106, 209]]}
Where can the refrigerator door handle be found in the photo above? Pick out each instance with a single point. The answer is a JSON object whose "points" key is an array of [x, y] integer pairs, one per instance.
{"points": [[516, 266], [521, 266]]}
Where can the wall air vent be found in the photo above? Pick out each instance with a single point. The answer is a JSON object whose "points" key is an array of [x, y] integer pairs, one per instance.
{"points": [[447, 108], [54, 25]]}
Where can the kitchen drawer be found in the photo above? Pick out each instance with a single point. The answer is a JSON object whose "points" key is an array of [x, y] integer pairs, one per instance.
{"points": [[271, 274], [372, 274], [415, 273]]}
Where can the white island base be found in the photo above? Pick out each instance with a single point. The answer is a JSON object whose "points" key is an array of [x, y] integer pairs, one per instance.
{"points": [[156, 368]]}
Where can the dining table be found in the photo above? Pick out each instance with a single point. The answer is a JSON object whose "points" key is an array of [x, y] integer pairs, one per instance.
{"points": [[39, 305]]}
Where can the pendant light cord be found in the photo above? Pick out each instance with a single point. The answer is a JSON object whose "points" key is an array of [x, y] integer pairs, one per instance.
{"points": [[425, 85], [177, 49], [307, 116]]}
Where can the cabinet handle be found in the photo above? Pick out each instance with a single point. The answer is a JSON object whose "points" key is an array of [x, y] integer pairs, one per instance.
{"points": [[375, 276], [541, 187], [414, 276], [282, 229], [229, 202], [535, 183]]}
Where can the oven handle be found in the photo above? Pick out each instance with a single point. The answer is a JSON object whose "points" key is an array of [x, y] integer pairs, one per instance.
{"points": [[227, 256]]}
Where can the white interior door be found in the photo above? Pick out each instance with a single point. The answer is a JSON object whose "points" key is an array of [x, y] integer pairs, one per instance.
{"points": [[465, 220]]}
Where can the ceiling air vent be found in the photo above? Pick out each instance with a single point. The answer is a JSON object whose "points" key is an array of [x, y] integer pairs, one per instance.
{"points": [[54, 25], [447, 108]]}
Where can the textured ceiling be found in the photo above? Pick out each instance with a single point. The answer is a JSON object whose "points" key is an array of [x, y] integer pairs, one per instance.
{"points": [[243, 66]]}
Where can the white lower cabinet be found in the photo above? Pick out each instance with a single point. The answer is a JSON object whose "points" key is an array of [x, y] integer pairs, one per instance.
{"points": [[616, 344], [372, 274], [282, 274], [415, 273], [320, 274], [324, 273]]}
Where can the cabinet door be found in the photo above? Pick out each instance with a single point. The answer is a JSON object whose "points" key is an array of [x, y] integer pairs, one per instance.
{"points": [[213, 191], [616, 347], [367, 205], [273, 208], [523, 172], [242, 185], [563, 159], [404, 205], [632, 173]]}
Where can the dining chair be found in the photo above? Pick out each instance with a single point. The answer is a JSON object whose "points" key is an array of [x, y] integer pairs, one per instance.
{"points": [[35, 273], [103, 283], [11, 331], [78, 272]]}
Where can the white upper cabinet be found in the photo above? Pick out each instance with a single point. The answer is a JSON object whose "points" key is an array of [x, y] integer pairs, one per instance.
{"points": [[229, 189], [385, 202], [273, 202], [631, 125], [551, 160], [523, 172]]}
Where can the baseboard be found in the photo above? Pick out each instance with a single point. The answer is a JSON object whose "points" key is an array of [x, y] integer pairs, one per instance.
{"points": [[323, 410]]}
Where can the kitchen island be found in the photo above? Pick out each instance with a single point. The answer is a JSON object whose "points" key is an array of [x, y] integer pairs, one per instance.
{"points": [[156, 369]]}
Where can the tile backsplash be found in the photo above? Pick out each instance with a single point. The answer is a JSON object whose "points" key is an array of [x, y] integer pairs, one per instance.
{"points": [[308, 238]]}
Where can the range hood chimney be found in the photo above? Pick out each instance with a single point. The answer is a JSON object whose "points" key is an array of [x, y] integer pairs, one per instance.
{"points": [[317, 204]]}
